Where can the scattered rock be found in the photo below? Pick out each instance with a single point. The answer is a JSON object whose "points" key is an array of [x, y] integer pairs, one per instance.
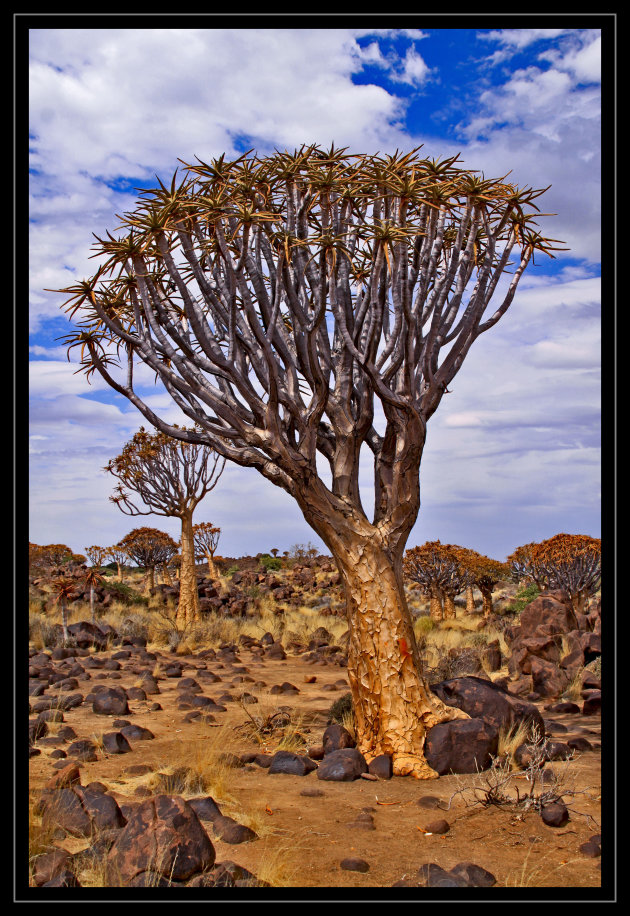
{"points": [[294, 764], [343, 765], [555, 814], [353, 864]]}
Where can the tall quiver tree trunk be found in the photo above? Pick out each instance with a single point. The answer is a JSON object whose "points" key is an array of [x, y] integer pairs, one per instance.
{"points": [[393, 704], [436, 608], [213, 572], [470, 600], [188, 608], [449, 606]]}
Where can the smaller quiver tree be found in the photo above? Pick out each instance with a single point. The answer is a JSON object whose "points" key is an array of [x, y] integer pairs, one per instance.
{"points": [[484, 573], [571, 562], [438, 571], [63, 588], [171, 477], [524, 566], [148, 548], [119, 557], [206, 537]]}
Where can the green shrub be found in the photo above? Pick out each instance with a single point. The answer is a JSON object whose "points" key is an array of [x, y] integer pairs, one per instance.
{"points": [[125, 593], [270, 563], [522, 598], [230, 572], [424, 625]]}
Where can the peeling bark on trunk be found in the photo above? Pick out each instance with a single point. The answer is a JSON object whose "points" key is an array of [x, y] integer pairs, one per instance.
{"points": [[393, 704], [188, 607], [470, 600], [486, 597], [436, 609], [149, 580], [449, 607], [213, 572]]}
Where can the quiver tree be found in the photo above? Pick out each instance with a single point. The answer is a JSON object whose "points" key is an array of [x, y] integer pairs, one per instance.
{"points": [[313, 303], [523, 565], [206, 538], [96, 555], [436, 568], [171, 477], [571, 562], [92, 580], [484, 573], [63, 589], [119, 556], [50, 555], [149, 548]]}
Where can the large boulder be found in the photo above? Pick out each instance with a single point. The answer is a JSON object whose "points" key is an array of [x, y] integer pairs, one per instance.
{"points": [[548, 680], [461, 746], [87, 634], [550, 614], [163, 835], [484, 700]]}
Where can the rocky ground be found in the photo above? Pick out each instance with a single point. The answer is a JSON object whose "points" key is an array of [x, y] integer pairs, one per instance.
{"points": [[220, 767]]}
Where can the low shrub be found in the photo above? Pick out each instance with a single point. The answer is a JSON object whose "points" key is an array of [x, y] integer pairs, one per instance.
{"points": [[341, 709], [270, 563], [522, 598]]}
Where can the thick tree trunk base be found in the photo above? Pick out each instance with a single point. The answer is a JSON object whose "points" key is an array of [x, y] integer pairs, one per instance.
{"points": [[393, 705]]}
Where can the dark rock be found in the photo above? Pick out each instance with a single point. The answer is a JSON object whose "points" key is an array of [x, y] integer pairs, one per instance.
{"points": [[354, 864], [83, 749], [102, 809], [547, 615], [474, 875], [430, 873], [485, 700], [288, 762], [461, 746], [381, 766], [136, 733], [592, 704], [164, 833], [555, 814], [115, 743], [111, 701], [579, 744], [592, 850], [230, 831], [62, 808], [65, 878], [547, 679], [343, 765], [564, 707], [136, 693], [205, 808], [337, 737], [439, 826], [49, 865], [557, 750]]}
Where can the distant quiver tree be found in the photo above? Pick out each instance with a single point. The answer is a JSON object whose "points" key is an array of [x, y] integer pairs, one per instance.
{"points": [[149, 548], [171, 477], [206, 537], [571, 562], [313, 303]]}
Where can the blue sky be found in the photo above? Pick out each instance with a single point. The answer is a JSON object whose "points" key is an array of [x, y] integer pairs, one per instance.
{"points": [[512, 454]]}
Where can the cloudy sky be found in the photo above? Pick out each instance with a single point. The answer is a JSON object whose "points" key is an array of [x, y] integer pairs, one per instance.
{"points": [[513, 453]]}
